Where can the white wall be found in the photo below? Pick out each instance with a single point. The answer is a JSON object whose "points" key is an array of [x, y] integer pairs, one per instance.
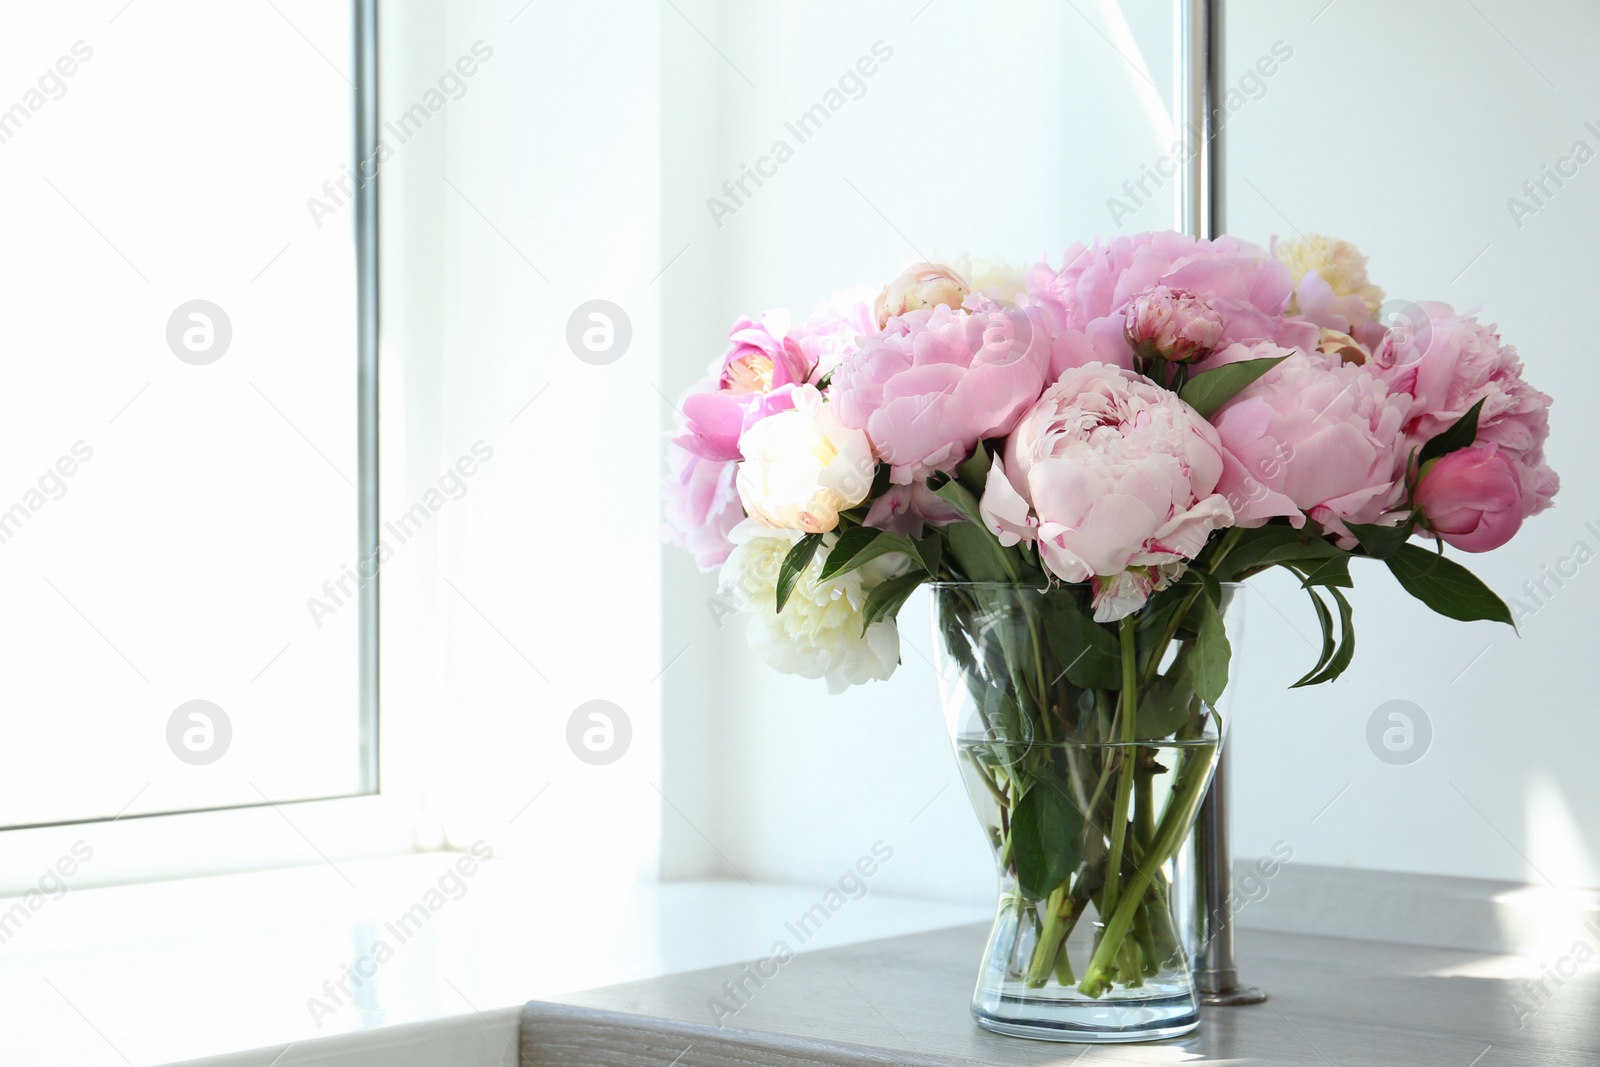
{"points": [[1004, 136], [539, 590], [1401, 127], [1405, 128]]}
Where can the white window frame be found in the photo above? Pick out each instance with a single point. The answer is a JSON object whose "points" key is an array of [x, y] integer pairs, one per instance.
{"points": [[388, 815]]}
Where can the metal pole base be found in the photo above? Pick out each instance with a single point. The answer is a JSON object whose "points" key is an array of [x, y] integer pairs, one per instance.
{"points": [[1229, 996]]}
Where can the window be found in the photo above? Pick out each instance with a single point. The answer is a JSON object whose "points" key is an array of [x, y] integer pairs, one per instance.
{"points": [[189, 408]]}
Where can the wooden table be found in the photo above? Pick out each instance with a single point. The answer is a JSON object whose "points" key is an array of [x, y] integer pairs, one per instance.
{"points": [[1334, 1003]]}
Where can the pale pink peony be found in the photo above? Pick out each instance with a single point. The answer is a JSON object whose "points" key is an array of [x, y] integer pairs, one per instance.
{"points": [[1472, 498], [935, 383], [921, 285], [1246, 286], [1125, 593], [702, 505], [1449, 363], [1313, 437], [752, 380], [1317, 301], [1172, 324], [835, 329], [903, 509], [1108, 472]]}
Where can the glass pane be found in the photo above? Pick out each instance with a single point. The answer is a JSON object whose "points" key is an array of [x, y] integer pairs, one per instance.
{"points": [[179, 469]]}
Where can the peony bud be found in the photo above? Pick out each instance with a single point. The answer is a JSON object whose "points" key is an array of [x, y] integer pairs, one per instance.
{"points": [[921, 285], [1472, 498], [1173, 324]]}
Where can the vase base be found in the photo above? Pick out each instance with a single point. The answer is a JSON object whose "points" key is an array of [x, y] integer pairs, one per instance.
{"points": [[1097, 1023]]}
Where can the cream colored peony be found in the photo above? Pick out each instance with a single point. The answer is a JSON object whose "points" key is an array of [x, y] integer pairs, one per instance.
{"points": [[921, 285], [993, 277], [818, 634], [803, 466], [1339, 263]]}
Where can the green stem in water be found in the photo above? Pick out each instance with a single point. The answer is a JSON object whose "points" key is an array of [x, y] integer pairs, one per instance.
{"points": [[1097, 977], [1126, 714], [1056, 925], [1144, 802], [1129, 965]]}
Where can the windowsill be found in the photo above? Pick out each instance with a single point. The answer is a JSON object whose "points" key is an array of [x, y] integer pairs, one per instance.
{"points": [[211, 967]]}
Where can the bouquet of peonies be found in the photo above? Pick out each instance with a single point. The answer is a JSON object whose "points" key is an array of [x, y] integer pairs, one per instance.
{"points": [[1120, 439], [1158, 399]]}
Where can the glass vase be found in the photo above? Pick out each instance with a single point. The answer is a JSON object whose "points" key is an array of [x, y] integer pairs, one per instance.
{"points": [[1087, 797]]}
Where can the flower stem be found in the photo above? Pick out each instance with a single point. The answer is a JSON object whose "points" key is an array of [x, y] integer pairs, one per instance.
{"points": [[1097, 976], [1126, 715], [1058, 909]]}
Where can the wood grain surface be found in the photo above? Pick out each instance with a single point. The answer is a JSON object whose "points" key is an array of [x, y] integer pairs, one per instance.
{"points": [[1335, 1003]]}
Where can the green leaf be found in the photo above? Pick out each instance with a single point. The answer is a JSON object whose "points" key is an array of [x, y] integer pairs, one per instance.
{"points": [[863, 544], [1006, 722], [885, 600], [1334, 571], [977, 552], [1331, 666], [1164, 705], [794, 564], [973, 473], [1046, 837], [1446, 586], [880, 481], [930, 550], [1210, 390], [1381, 542], [957, 496], [1347, 642], [1210, 653], [1086, 651], [1461, 434], [1329, 642], [1276, 543]]}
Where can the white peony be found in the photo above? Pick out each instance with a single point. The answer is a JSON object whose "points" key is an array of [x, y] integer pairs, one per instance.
{"points": [[803, 466], [818, 633]]}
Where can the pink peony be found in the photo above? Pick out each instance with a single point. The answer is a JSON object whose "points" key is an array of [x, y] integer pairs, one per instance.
{"points": [[1317, 301], [752, 380], [1172, 324], [903, 509], [1472, 498], [1312, 437], [1108, 473], [835, 329], [1246, 286], [702, 505], [935, 383], [1450, 363]]}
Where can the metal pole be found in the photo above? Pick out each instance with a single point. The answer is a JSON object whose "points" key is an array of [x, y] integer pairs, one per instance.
{"points": [[1200, 79]]}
